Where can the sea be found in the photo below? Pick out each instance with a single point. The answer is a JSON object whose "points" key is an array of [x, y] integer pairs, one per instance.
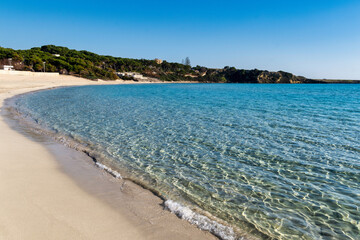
{"points": [[244, 161]]}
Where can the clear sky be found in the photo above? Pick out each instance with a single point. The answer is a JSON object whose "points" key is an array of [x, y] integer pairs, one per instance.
{"points": [[317, 38]]}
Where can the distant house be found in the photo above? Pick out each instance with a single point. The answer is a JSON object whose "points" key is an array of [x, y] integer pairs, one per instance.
{"points": [[158, 61], [8, 67], [134, 75], [56, 55]]}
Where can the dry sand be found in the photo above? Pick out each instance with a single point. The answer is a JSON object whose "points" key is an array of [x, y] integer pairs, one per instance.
{"points": [[48, 191]]}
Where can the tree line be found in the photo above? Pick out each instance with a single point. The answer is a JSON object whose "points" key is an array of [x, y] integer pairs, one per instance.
{"points": [[93, 66]]}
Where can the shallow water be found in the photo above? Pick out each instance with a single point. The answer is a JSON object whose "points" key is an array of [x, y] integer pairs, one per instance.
{"points": [[276, 161]]}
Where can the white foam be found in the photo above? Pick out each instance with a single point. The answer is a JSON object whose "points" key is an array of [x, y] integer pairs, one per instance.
{"points": [[204, 223], [109, 170]]}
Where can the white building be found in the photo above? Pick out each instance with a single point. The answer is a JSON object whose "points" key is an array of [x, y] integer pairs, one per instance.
{"points": [[136, 76], [8, 67]]}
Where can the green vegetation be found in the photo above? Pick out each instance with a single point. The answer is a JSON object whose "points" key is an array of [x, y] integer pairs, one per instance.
{"points": [[93, 66], [87, 64]]}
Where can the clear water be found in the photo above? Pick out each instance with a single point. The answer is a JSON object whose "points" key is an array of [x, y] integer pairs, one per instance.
{"points": [[277, 161]]}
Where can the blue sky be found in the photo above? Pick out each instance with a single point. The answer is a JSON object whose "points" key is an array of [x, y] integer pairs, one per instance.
{"points": [[318, 38]]}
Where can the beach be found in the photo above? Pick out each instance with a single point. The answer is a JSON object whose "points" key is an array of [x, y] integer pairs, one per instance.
{"points": [[49, 191]]}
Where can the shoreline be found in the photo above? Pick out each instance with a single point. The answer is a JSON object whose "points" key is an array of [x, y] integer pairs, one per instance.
{"points": [[49, 190], [196, 216]]}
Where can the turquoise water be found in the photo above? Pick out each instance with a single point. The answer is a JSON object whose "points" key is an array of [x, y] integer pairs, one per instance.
{"points": [[276, 161]]}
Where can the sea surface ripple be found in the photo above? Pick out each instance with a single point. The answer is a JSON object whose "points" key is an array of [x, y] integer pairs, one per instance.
{"points": [[276, 161]]}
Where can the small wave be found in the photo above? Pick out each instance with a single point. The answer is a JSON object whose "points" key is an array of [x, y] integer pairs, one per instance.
{"points": [[202, 222], [109, 170]]}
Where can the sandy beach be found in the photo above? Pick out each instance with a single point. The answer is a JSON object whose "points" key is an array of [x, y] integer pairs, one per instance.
{"points": [[48, 191]]}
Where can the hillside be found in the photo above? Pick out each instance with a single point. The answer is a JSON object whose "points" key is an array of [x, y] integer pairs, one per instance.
{"points": [[93, 66]]}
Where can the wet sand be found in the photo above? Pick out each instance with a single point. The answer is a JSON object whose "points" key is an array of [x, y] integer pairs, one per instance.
{"points": [[49, 191]]}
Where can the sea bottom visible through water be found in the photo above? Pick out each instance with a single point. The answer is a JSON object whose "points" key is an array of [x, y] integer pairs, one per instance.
{"points": [[271, 161]]}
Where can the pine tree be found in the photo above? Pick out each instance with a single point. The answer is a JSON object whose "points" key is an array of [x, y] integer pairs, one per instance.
{"points": [[187, 61]]}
